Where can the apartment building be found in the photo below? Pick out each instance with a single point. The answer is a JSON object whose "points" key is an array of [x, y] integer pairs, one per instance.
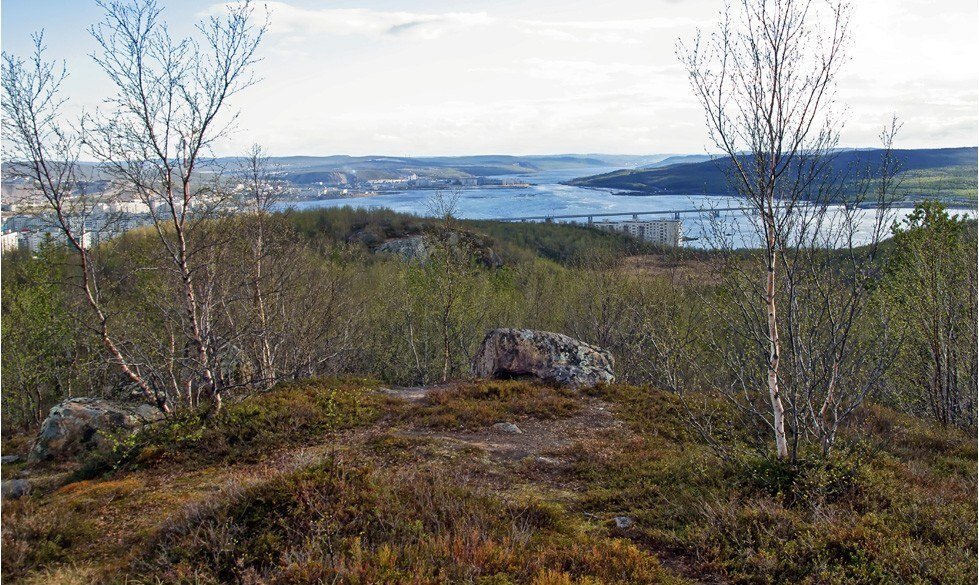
{"points": [[664, 232]]}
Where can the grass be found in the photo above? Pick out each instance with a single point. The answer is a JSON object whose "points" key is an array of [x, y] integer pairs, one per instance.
{"points": [[339, 522], [898, 509], [477, 405], [272, 491]]}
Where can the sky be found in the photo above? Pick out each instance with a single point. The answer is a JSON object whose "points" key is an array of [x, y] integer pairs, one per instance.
{"points": [[434, 77]]}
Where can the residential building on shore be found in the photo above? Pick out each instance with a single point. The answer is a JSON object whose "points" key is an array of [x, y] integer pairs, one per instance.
{"points": [[664, 232]]}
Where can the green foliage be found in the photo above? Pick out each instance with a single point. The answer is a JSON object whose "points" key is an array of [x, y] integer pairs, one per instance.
{"points": [[289, 414], [563, 243], [931, 289], [42, 344]]}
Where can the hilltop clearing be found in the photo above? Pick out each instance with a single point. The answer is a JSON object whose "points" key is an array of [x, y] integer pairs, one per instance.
{"points": [[348, 481]]}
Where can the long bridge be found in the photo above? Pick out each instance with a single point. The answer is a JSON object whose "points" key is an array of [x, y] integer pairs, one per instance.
{"points": [[676, 213]]}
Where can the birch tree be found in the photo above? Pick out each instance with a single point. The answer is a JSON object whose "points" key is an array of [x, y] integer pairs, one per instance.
{"points": [[169, 108], [44, 149], [766, 82]]}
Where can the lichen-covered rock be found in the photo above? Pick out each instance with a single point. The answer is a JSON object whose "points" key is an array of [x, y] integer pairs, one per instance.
{"points": [[13, 489], [77, 425], [421, 248], [511, 353], [411, 248], [508, 428]]}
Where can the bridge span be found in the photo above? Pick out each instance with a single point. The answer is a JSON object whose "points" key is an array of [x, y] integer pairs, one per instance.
{"points": [[676, 213]]}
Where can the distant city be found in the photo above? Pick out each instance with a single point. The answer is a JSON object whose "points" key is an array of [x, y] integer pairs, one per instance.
{"points": [[579, 184]]}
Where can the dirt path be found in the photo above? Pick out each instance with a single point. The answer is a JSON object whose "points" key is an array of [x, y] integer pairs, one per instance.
{"points": [[517, 440], [532, 459]]}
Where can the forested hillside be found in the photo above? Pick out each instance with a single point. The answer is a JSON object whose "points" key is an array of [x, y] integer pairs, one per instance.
{"points": [[923, 173]]}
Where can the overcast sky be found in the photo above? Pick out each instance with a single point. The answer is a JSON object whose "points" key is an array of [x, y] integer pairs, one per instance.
{"points": [[418, 77]]}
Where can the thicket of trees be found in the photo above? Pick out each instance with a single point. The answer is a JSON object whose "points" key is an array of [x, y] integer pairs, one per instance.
{"points": [[220, 297], [332, 306]]}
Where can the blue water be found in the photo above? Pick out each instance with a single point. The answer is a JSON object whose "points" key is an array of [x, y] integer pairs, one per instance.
{"points": [[548, 197]]}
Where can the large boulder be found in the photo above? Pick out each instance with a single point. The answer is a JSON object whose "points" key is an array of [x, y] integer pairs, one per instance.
{"points": [[78, 425], [514, 353]]}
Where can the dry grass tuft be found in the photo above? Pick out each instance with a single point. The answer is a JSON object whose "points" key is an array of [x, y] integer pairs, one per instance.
{"points": [[476, 405]]}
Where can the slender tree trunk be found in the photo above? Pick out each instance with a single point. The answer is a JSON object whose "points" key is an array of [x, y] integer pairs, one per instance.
{"points": [[774, 348], [265, 359], [193, 313]]}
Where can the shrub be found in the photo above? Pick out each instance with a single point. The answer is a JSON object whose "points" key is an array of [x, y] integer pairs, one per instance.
{"points": [[476, 405], [336, 522], [901, 510], [249, 430]]}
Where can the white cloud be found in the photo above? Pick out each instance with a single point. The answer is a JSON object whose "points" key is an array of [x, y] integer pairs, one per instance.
{"points": [[290, 20], [632, 25], [625, 32], [550, 76]]}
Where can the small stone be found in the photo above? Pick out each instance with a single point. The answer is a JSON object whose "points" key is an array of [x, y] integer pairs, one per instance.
{"points": [[624, 522], [507, 427], [13, 489], [10, 459], [548, 460]]}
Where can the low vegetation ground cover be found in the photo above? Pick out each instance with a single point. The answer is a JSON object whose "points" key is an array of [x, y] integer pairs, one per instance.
{"points": [[900, 508], [339, 490], [477, 405]]}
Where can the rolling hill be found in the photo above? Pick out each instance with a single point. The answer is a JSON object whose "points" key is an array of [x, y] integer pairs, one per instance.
{"points": [[943, 172], [309, 169]]}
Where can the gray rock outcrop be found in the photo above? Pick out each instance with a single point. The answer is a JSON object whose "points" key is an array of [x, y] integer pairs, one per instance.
{"points": [[514, 353], [78, 425], [623, 522], [13, 489], [421, 248], [411, 248], [507, 428]]}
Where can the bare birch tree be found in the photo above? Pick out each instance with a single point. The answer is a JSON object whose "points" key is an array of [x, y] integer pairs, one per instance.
{"points": [[165, 115], [766, 82], [260, 194], [43, 149]]}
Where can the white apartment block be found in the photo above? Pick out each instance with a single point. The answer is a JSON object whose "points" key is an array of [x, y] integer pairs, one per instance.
{"points": [[665, 232], [9, 241]]}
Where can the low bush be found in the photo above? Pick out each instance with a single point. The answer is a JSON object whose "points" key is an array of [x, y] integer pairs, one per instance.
{"points": [[340, 523], [289, 414], [476, 405], [898, 511], [32, 540]]}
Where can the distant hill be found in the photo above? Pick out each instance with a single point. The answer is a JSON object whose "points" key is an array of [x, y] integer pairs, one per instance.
{"points": [[312, 169], [678, 159], [344, 168], [945, 172]]}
